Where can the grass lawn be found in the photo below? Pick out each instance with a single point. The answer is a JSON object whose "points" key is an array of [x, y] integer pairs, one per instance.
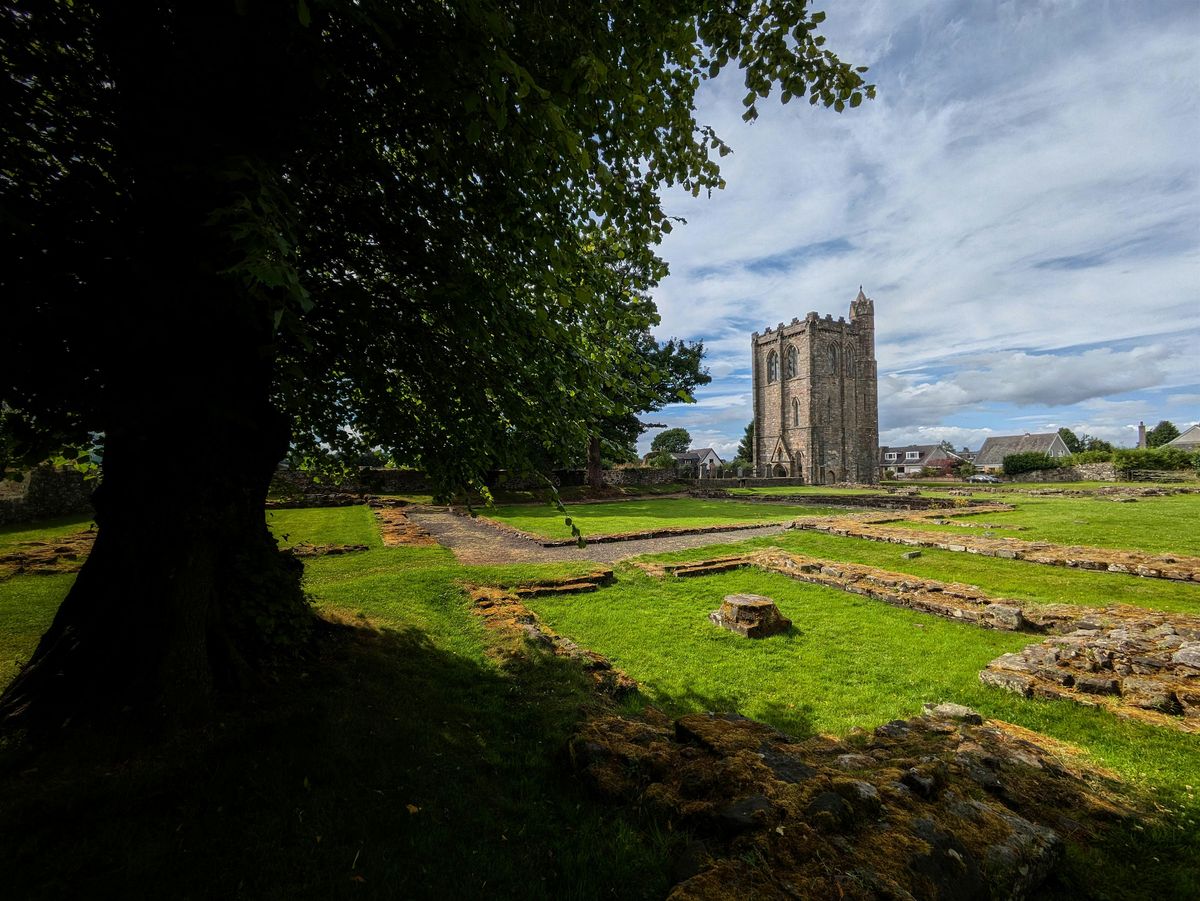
{"points": [[325, 525], [643, 515], [852, 662], [803, 489], [406, 762], [1158, 524], [419, 759], [11, 535], [1002, 578]]}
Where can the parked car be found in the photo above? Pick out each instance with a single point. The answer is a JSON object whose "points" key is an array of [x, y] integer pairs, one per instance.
{"points": [[983, 477]]}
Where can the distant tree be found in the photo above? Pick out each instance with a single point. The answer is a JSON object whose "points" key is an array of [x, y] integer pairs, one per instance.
{"points": [[675, 441], [1162, 433], [947, 446], [964, 469], [1092, 443], [662, 460], [1071, 440], [745, 449]]}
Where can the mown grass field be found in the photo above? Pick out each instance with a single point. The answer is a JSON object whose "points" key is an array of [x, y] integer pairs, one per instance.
{"points": [[1159, 524], [644, 515], [419, 758]]}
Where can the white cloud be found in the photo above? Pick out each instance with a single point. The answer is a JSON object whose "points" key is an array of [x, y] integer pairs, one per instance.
{"points": [[1026, 182]]}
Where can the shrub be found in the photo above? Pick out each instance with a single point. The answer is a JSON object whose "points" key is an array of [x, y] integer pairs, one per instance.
{"points": [[1029, 462], [1089, 456], [1154, 458]]}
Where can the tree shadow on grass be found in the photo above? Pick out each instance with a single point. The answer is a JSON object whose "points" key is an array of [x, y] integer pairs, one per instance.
{"points": [[388, 768], [795, 719]]}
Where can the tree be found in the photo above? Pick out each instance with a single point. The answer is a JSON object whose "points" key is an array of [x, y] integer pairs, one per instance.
{"points": [[947, 446], [334, 225], [1161, 434], [745, 449], [675, 441], [1071, 440]]}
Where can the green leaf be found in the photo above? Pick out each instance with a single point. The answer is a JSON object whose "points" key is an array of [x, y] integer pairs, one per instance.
{"points": [[303, 14]]}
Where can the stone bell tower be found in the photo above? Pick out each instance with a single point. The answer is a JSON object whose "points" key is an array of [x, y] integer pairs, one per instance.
{"points": [[816, 414]]}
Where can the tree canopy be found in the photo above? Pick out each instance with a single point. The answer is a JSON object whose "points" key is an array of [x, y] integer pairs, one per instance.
{"points": [[425, 227], [672, 441], [1161, 434]]}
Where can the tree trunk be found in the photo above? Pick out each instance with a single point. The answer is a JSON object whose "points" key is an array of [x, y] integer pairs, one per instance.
{"points": [[595, 471], [185, 591]]}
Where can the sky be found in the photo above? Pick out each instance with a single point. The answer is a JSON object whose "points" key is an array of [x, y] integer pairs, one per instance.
{"points": [[1021, 201]]}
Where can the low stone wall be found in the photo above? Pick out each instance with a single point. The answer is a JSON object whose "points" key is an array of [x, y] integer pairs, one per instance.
{"points": [[641, 475], [1135, 563], [1146, 668], [46, 492], [1082, 472], [944, 805], [748, 483]]}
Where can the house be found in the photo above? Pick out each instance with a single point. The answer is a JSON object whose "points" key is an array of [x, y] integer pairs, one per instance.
{"points": [[703, 459], [1189, 441], [991, 456], [908, 461]]}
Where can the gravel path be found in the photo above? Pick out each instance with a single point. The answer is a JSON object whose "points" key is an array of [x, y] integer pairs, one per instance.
{"points": [[475, 543]]}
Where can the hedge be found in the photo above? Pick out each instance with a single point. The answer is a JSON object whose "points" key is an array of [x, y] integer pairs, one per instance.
{"points": [[1029, 462], [1126, 461]]}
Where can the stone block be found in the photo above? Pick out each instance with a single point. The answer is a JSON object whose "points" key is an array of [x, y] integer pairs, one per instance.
{"points": [[751, 615]]}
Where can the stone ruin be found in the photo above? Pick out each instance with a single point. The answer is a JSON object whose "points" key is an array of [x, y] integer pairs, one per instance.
{"points": [[750, 615]]}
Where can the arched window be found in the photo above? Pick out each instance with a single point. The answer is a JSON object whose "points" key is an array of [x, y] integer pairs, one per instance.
{"points": [[829, 410], [849, 362], [791, 363], [795, 412], [772, 366], [833, 360]]}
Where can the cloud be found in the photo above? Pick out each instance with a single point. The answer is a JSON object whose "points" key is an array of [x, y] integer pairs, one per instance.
{"points": [[1022, 201]]}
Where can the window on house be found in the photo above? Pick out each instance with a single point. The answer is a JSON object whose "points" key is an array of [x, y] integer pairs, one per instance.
{"points": [[791, 362], [772, 366], [912, 455], [889, 456]]}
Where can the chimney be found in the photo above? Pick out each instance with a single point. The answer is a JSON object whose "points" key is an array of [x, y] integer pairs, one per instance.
{"points": [[1141, 434]]}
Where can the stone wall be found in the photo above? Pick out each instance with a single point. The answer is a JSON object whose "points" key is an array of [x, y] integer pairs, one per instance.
{"points": [[46, 492], [641, 475], [293, 483], [747, 483], [1082, 472]]}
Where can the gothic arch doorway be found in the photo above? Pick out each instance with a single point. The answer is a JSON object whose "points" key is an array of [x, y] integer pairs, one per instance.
{"points": [[831, 478], [779, 471]]}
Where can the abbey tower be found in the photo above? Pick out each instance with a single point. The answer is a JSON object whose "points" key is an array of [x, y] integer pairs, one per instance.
{"points": [[816, 414]]}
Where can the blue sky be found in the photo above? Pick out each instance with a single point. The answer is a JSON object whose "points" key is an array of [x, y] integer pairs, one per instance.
{"points": [[1022, 202]]}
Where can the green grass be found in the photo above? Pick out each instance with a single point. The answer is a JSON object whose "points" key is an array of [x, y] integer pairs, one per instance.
{"points": [[852, 662], [27, 606], [325, 525], [404, 763], [305, 789], [802, 489], [999, 577], [637, 516], [11, 535], [1158, 524]]}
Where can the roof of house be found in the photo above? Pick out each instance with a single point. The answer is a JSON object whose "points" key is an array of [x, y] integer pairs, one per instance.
{"points": [[996, 448], [1189, 440], [926, 451], [697, 454]]}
